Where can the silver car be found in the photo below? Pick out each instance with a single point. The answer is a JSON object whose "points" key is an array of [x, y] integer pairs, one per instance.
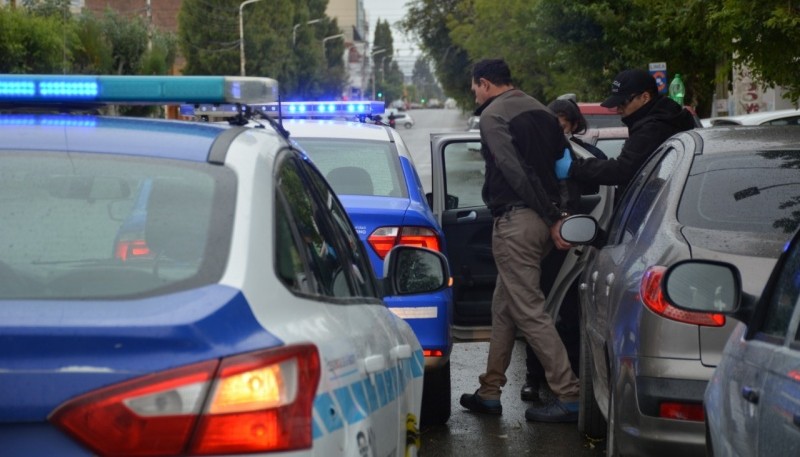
{"points": [[725, 194]]}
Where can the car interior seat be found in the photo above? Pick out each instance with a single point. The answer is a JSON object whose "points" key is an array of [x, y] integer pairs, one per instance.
{"points": [[177, 220], [350, 181]]}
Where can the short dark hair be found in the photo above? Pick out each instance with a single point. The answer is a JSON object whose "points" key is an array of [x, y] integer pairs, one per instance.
{"points": [[495, 71], [569, 109]]}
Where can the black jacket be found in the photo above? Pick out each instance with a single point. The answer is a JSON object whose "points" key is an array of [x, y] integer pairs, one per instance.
{"points": [[648, 127], [520, 142]]}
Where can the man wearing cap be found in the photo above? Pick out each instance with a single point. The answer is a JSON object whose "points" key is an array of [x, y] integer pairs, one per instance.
{"points": [[651, 119]]}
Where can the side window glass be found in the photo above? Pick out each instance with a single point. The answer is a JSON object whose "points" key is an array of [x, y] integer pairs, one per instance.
{"points": [[288, 262], [649, 192], [463, 175], [360, 266], [784, 298], [316, 241]]}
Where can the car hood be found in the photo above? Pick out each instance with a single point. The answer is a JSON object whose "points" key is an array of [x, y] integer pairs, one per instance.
{"points": [[56, 350], [754, 254]]}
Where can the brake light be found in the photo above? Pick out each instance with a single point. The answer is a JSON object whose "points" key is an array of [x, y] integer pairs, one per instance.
{"points": [[432, 352], [383, 239], [255, 402], [682, 411], [131, 248], [653, 298]]}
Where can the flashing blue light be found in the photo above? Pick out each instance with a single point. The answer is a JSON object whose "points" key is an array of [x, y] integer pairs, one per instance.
{"points": [[49, 121], [325, 109], [137, 89]]}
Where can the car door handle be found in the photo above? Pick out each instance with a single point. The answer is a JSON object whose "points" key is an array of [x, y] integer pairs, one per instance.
{"points": [[750, 394], [374, 363], [401, 352], [469, 217]]}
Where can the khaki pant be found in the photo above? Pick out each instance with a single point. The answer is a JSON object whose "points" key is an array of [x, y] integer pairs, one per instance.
{"points": [[520, 240]]}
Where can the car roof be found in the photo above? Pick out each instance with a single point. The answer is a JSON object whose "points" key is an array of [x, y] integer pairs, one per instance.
{"points": [[754, 118], [725, 139], [318, 128], [606, 132], [117, 135]]}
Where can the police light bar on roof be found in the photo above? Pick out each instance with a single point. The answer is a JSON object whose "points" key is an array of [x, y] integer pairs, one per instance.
{"points": [[324, 109], [53, 89]]}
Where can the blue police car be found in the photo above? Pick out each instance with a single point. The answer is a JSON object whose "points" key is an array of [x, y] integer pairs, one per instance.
{"points": [[181, 288]]}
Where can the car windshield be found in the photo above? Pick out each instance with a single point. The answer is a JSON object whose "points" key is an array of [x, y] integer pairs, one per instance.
{"points": [[743, 192], [357, 167], [88, 226]]}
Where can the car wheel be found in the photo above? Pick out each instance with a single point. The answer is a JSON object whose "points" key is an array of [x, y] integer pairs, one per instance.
{"points": [[436, 397], [408, 125], [590, 420], [611, 443]]}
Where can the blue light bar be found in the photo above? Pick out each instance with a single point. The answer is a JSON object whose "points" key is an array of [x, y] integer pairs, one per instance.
{"points": [[136, 90], [325, 109]]}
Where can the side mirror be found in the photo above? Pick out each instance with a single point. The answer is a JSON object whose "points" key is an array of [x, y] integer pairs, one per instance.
{"points": [[707, 286], [409, 270], [579, 229]]}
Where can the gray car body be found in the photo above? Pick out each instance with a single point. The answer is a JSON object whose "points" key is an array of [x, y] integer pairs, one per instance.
{"points": [[638, 358]]}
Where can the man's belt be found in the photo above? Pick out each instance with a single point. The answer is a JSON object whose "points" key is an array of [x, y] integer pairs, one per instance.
{"points": [[500, 210]]}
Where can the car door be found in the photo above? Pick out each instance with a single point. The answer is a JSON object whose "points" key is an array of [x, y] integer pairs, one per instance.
{"points": [[457, 170], [366, 391]]}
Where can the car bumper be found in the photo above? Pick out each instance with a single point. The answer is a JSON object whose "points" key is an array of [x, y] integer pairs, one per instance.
{"points": [[644, 384], [430, 317]]}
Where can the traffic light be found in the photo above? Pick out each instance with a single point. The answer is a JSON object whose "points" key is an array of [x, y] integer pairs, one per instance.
{"points": [[380, 94], [422, 101]]}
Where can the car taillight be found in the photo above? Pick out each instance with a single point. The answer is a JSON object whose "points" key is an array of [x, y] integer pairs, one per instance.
{"points": [[131, 248], [255, 402], [383, 239], [432, 352], [681, 411], [653, 298]]}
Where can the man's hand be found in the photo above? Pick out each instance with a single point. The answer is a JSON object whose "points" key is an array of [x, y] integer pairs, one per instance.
{"points": [[563, 164], [555, 234]]}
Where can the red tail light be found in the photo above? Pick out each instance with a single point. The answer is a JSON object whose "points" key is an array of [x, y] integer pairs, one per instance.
{"points": [[682, 411], [653, 298], [383, 239], [256, 402], [131, 248], [432, 353]]}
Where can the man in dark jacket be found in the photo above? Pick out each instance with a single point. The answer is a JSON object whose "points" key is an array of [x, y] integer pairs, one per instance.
{"points": [[651, 119], [520, 142]]}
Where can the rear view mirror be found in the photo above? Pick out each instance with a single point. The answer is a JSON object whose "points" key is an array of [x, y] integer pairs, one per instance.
{"points": [[579, 229], [88, 188], [701, 285], [412, 270]]}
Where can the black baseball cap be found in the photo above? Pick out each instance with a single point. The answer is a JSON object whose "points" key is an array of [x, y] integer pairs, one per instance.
{"points": [[628, 83]]}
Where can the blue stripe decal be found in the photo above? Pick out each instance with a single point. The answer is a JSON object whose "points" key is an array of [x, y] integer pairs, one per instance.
{"points": [[327, 412], [354, 402]]}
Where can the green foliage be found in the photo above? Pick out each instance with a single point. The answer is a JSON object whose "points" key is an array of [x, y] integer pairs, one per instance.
{"points": [[424, 82], [32, 43]]}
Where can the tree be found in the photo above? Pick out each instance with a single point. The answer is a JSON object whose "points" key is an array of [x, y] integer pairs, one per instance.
{"points": [[387, 73], [31, 43], [423, 80]]}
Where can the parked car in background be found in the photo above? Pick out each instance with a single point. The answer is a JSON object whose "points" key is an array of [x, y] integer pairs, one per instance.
{"points": [[779, 117], [726, 194], [403, 118], [245, 320], [752, 403]]}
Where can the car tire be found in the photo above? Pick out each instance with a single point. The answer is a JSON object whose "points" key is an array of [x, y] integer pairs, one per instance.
{"points": [[590, 419], [436, 394], [408, 125]]}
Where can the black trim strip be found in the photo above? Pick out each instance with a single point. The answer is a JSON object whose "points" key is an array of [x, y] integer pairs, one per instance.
{"points": [[219, 149]]}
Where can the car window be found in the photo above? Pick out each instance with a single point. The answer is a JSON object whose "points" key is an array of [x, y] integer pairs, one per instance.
{"points": [[357, 167], [603, 120], [93, 225], [611, 147], [463, 174], [318, 247], [794, 120], [656, 180], [354, 248], [625, 206], [743, 192], [783, 302]]}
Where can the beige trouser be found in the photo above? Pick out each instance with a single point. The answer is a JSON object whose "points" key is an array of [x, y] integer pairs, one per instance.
{"points": [[520, 240]]}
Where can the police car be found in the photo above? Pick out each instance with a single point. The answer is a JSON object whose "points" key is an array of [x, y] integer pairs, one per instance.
{"points": [[181, 288]]}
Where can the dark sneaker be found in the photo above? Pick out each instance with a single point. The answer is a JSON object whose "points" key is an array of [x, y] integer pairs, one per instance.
{"points": [[557, 411], [529, 392], [476, 404]]}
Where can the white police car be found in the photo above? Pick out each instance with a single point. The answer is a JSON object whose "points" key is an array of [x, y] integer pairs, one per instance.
{"points": [[179, 288], [372, 172]]}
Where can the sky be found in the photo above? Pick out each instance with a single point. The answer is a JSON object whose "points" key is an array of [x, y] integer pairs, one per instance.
{"points": [[405, 52]]}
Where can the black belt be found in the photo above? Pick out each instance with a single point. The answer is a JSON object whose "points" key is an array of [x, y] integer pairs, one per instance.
{"points": [[500, 210]]}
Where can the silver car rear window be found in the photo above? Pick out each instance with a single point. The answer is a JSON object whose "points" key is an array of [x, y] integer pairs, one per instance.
{"points": [[85, 226]]}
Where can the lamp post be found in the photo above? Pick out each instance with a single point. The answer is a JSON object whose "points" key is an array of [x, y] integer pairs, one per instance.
{"points": [[241, 33], [383, 69], [294, 28], [332, 37], [375, 53]]}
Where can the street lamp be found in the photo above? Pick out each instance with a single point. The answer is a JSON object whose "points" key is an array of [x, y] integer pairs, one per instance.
{"points": [[294, 28], [332, 37], [241, 33], [375, 53]]}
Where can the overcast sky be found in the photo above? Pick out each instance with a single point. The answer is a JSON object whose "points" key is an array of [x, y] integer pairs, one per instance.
{"points": [[405, 52]]}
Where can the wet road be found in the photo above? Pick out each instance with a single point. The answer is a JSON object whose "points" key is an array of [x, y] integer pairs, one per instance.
{"points": [[468, 434]]}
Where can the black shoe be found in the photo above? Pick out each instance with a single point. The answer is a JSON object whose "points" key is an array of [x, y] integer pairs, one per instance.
{"points": [[557, 411], [529, 392], [476, 404]]}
